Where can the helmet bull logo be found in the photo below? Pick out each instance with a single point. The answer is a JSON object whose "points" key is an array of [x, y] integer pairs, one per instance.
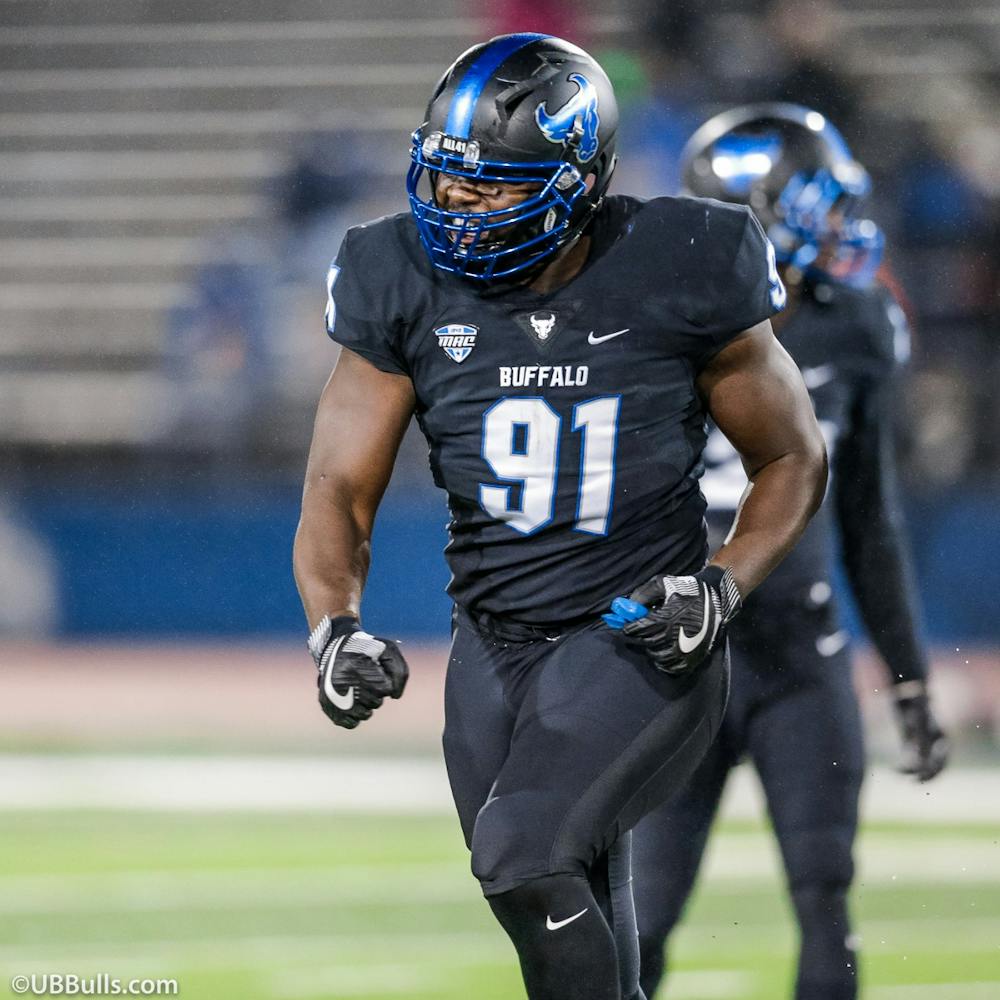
{"points": [[577, 119]]}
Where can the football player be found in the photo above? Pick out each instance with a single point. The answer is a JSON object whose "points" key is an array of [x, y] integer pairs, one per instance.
{"points": [[792, 709], [560, 349]]}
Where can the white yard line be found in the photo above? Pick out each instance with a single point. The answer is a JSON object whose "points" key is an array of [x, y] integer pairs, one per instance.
{"points": [[709, 984], [737, 863], [903, 936], [342, 980], [366, 785], [206, 952], [393, 885], [223, 783], [988, 990], [473, 947], [357, 981], [882, 859]]}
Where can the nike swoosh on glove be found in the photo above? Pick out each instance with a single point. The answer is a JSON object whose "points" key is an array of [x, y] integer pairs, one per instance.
{"points": [[356, 670], [678, 619], [925, 746]]}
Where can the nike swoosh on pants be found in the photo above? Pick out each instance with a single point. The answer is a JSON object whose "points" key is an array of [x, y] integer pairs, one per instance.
{"points": [[554, 925]]}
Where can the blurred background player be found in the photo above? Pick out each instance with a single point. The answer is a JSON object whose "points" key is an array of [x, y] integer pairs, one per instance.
{"points": [[793, 710]]}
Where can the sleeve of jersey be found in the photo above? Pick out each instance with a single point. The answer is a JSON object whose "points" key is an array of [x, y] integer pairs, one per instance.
{"points": [[875, 547], [357, 307], [888, 333], [744, 287]]}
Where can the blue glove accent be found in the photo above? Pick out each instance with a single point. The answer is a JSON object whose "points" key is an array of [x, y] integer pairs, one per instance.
{"points": [[624, 610]]}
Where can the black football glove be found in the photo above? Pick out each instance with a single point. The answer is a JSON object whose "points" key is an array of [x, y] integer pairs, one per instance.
{"points": [[356, 670], [925, 746], [678, 619]]}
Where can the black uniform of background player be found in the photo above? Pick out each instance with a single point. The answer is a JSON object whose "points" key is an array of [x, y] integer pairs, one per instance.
{"points": [[792, 706], [558, 735], [793, 710]]}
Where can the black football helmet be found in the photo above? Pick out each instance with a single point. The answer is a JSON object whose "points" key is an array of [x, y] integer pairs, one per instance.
{"points": [[518, 108], [794, 169]]}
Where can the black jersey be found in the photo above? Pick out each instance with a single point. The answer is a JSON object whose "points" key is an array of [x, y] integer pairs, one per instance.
{"points": [[848, 344], [565, 428]]}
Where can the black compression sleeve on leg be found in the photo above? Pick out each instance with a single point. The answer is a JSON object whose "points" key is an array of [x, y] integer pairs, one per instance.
{"points": [[563, 941], [828, 964], [601, 888], [623, 925], [611, 883]]}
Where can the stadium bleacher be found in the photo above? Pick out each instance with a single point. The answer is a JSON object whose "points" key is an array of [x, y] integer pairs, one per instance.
{"points": [[132, 132]]}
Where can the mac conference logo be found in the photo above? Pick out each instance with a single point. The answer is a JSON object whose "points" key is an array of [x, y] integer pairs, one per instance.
{"points": [[457, 340]]}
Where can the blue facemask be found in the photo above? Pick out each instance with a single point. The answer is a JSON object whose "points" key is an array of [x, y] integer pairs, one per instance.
{"points": [[489, 245], [805, 229]]}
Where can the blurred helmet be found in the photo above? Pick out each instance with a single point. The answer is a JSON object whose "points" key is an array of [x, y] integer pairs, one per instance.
{"points": [[794, 169], [523, 108]]}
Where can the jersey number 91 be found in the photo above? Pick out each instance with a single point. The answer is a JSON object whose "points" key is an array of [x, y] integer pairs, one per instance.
{"points": [[521, 444]]}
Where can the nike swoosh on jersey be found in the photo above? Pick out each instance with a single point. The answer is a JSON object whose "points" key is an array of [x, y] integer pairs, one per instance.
{"points": [[686, 644], [554, 925], [345, 702], [608, 336]]}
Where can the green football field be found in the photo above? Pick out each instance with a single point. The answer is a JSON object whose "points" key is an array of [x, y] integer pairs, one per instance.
{"points": [[246, 906]]}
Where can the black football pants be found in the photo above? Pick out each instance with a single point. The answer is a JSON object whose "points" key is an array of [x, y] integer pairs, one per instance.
{"points": [[554, 751], [794, 713]]}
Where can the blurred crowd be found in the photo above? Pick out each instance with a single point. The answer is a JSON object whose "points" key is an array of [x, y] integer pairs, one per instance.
{"points": [[244, 358], [936, 191], [253, 337]]}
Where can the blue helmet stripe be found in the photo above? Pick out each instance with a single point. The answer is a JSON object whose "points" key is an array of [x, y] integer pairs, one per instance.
{"points": [[469, 89]]}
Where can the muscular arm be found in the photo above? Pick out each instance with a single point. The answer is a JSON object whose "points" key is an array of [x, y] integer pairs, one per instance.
{"points": [[360, 422], [756, 396], [871, 524]]}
